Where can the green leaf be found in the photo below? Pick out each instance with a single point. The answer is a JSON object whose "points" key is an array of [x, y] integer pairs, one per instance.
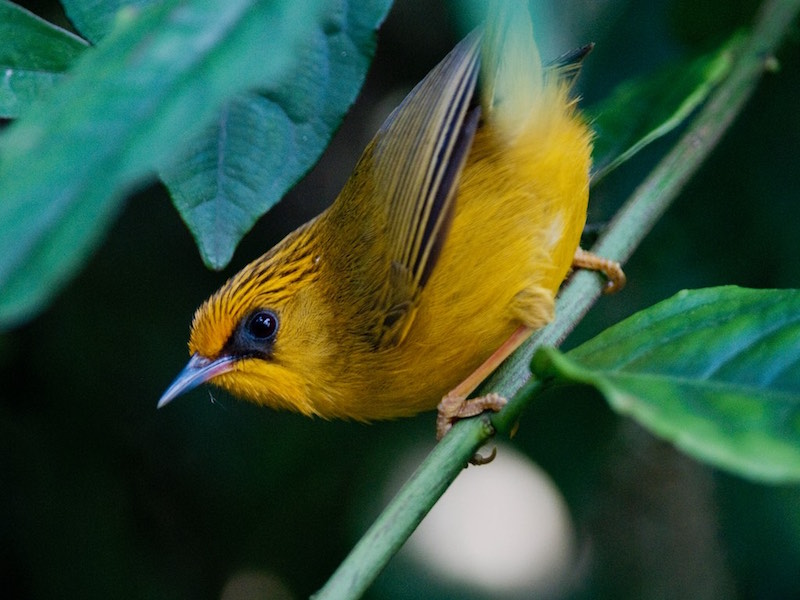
{"points": [[95, 18], [716, 371], [150, 86], [640, 111], [33, 55], [262, 144]]}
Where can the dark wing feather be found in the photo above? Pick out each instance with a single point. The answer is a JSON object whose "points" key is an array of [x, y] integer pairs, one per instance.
{"points": [[568, 65], [416, 149], [418, 155]]}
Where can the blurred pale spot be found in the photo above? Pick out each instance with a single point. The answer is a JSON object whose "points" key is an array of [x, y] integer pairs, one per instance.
{"points": [[249, 584], [503, 527]]}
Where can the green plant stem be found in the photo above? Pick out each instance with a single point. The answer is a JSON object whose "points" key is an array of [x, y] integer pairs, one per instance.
{"points": [[407, 509], [648, 202]]}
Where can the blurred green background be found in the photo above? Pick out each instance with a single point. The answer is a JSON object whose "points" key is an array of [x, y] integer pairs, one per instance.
{"points": [[102, 495]]}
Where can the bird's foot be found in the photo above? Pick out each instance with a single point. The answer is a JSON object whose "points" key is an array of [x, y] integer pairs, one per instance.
{"points": [[453, 408]]}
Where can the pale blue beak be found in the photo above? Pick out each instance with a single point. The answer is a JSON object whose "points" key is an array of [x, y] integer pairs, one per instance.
{"points": [[198, 370]]}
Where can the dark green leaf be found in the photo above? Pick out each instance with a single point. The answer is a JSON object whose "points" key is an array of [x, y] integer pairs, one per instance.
{"points": [[33, 54], [151, 85], [262, 144], [639, 112], [715, 371]]}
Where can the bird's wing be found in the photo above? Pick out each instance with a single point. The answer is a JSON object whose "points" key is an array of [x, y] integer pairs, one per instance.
{"points": [[417, 159]]}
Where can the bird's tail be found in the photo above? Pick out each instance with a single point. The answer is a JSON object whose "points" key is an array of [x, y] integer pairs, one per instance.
{"points": [[516, 85]]}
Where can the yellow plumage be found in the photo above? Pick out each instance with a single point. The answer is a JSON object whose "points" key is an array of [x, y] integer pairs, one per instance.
{"points": [[450, 234]]}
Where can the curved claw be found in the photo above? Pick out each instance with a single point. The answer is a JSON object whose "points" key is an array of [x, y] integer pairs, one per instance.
{"points": [[479, 459]]}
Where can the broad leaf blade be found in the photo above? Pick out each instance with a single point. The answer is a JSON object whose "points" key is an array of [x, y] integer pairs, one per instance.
{"points": [[128, 105], [33, 54], [262, 144], [640, 111], [716, 371]]}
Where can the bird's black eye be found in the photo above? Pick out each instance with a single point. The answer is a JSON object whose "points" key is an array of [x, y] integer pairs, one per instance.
{"points": [[262, 325]]}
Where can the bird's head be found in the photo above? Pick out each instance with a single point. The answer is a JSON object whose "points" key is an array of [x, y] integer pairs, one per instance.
{"points": [[256, 336]]}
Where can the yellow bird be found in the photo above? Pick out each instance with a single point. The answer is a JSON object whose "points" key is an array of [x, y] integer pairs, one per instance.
{"points": [[444, 250]]}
